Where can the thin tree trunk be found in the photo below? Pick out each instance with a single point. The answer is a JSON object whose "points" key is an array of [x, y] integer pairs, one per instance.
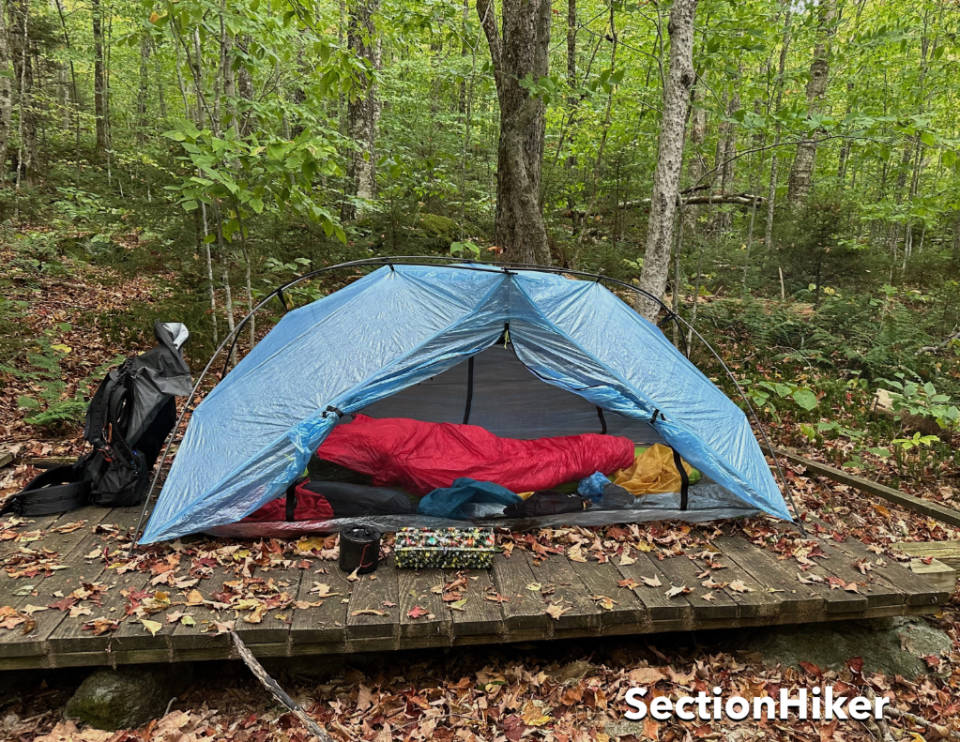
{"points": [[27, 129], [363, 110], [519, 52], [208, 260], [801, 174], [572, 99], [666, 177], [772, 187], [605, 130], [99, 80], [6, 90], [142, 90], [727, 152]]}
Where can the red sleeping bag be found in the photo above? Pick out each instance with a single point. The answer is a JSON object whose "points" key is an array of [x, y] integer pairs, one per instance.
{"points": [[421, 456]]}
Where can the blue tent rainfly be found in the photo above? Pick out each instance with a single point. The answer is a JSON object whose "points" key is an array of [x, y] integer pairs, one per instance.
{"points": [[401, 325]]}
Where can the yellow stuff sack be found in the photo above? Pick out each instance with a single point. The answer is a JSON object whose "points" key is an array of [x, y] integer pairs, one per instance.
{"points": [[653, 471]]}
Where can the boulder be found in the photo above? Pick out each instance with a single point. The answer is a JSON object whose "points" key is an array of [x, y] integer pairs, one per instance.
{"points": [[895, 646], [121, 699]]}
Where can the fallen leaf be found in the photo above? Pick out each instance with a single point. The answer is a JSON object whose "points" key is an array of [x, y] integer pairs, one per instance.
{"points": [[417, 612], [555, 610], [152, 626], [533, 714]]}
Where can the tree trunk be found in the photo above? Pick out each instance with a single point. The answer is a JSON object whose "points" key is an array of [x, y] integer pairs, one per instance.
{"points": [[6, 91], [727, 153], [363, 110], [99, 80], [27, 155], [666, 177], [142, 89], [801, 174], [772, 187], [519, 51], [696, 166], [572, 99]]}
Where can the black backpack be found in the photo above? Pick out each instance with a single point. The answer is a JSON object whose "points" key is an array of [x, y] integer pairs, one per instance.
{"points": [[127, 422]]}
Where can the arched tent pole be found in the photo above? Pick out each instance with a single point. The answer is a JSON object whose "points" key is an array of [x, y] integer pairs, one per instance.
{"points": [[460, 264]]}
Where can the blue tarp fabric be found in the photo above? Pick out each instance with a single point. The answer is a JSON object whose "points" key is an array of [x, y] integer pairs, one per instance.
{"points": [[399, 325]]}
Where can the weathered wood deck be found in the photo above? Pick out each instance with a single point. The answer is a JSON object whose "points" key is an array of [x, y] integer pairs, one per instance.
{"points": [[506, 604]]}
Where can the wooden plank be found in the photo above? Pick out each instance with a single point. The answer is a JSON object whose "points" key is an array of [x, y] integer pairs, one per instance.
{"points": [[422, 614], [203, 633], [841, 564], [940, 575], [5, 458], [374, 611], [70, 636], [754, 598], [50, 462], [681, 572], [477, 616], [909, 502], [562, 587], [797, 602], [947, 552], [31, 526], [677, 612], [602, 581], [916, 589], [523, 609], [326, 622], [274, 625], [70, 547]]}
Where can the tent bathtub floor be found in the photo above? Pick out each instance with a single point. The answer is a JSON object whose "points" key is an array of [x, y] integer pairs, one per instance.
{"points": [[518, 600]]}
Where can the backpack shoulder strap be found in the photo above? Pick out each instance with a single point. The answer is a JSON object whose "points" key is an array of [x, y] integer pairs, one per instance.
{"points": [[56, 490]]}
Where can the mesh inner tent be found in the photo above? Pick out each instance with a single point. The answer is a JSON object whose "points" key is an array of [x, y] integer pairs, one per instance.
{"points": [[508, 400]]}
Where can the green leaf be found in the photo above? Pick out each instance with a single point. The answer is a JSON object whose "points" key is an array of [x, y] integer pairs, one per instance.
{"points": [[805, 399]]}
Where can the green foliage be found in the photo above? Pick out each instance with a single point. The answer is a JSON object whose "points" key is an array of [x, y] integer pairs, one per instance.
{"points": [[247, 177], [922, 399], [767, 394]]}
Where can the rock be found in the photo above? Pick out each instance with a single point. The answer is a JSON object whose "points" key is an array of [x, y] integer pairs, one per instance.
{"points": [[623, 728], [894, 646], [121, 699], [575, 670]]}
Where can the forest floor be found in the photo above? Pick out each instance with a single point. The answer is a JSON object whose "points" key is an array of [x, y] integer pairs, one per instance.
{"points": [[566, 691]]}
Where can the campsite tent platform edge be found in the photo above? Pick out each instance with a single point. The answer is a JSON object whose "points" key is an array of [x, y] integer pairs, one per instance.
{"points": [[374, 612]]}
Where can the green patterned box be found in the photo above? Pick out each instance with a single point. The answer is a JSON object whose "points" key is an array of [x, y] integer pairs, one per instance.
{"points": [[446, 548]]}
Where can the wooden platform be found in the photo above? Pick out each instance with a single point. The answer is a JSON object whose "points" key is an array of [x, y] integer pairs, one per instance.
{"points": [[67, 579]]}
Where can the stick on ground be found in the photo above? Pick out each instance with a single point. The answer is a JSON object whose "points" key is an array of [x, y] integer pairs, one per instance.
{"points": [[276, 691]]}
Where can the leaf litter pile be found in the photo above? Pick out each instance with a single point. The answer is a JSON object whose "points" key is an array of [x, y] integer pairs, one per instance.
{"points": [[561, 692]]}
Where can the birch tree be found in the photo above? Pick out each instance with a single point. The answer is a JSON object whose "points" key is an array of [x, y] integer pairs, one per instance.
{"points": [[666, 177], [801, 173]]}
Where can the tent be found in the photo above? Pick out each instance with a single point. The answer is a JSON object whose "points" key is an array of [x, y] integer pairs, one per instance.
{"points": [[522, 352]]}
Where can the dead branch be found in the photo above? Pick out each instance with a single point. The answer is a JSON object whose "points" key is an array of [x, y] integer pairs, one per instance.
{"points": [[276, 691], [737, 199]]}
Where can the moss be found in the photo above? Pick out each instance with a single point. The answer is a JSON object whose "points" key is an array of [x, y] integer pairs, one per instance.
{"points": [[120, 699]]}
